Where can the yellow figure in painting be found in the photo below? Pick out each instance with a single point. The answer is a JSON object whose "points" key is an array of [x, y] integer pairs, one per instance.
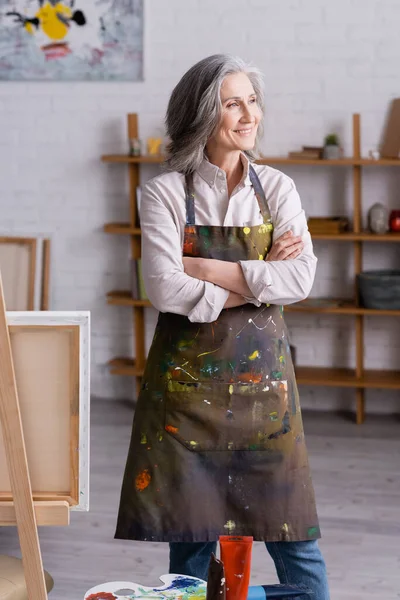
{"points": [[54, 18]]}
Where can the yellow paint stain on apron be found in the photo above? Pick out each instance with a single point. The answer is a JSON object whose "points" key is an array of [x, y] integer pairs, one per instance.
{"points": [[230, 525]]}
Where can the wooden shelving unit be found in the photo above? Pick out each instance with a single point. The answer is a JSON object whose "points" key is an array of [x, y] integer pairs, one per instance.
{"points": [[358, 378]]}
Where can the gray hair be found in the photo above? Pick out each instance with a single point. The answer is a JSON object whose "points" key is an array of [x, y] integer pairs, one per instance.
{"points": [[194, 109]]}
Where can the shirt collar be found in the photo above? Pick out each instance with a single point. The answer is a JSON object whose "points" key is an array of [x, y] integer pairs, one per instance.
{"points": [[210, 172]]}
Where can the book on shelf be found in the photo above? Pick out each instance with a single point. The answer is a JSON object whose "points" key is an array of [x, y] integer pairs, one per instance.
{"points": [[330, 225], [138, 290], [142, 289], [307, 153], [138, 203]]}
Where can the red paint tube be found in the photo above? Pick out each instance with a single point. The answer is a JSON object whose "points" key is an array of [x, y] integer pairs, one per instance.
{"points": [[236, 558]]}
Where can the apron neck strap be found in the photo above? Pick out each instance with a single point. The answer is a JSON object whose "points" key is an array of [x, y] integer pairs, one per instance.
{"points": [[258, 190], [260, 194], [190, 218]]}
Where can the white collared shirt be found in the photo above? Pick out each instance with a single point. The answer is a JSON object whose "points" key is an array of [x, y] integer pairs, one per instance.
{"points": [[163, 219]]}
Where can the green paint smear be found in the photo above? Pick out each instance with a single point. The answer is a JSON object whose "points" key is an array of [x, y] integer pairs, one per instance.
{"points": [[204, 231], [210, 367], [277, 375], [312, 531]]}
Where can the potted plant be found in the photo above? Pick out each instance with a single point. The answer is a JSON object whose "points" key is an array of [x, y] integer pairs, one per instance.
{"points": [[331, 147]]}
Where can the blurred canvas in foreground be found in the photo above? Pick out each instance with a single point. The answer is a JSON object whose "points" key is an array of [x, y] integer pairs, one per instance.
{"points": [[72, 40]]}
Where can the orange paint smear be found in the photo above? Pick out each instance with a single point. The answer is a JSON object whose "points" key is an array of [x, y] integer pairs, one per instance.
{"points": [[171, 429], [188, 247], [143, 480], [249, 377]]}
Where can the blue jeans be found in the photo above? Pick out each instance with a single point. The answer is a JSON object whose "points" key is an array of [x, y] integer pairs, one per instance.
{"points": [[298, 563]]}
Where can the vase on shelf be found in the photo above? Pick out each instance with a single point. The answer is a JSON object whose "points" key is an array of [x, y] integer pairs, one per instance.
{"points": [[378, 218]]}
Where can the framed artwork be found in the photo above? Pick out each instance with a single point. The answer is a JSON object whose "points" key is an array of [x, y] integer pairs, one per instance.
{"points": [[71, 40], [25, 272], [51, 357], [18, 267]]}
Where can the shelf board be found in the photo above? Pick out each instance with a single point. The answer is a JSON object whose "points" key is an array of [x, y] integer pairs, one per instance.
{"points": [[318, 376], [268, 160], [337, 307], [364, 236], [121, 229], [340, 162], [321, 376], [121, 365], [124, 298], [126, 158], [347, 236]]}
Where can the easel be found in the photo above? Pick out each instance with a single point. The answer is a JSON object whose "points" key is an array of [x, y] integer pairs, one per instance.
{"points": [[23, 511]]}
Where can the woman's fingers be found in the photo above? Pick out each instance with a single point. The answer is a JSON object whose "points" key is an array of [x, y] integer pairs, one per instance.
{"points": [[289, 250], [285, 247], [295, 254], [282, 252]]}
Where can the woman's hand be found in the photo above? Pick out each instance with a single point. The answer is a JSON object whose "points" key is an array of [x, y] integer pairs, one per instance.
{"points": [[287, 246]]}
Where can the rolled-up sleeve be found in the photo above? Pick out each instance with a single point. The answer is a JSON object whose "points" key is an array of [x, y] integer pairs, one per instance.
{"points": [[168, 287], [284, 281]]}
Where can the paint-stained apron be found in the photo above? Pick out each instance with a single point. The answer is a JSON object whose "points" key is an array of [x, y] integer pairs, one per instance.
{"points": [[217, 444]]}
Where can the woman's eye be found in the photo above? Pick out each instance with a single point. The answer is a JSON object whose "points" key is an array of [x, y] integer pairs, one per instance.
{"points": [[253, 100], [233, 104]]}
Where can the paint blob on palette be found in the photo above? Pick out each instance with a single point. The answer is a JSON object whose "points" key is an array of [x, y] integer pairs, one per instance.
{"points": [[176, 587]]}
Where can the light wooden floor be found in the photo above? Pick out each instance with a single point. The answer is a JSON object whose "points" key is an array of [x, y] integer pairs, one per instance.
{"points": [[356, 473]]}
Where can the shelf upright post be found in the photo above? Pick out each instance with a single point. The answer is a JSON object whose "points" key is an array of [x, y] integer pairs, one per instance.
{"points": [[357, 227], [138, 311]]}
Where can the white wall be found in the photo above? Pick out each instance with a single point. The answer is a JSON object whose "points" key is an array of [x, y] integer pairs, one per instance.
{"points": [[322, 61]]}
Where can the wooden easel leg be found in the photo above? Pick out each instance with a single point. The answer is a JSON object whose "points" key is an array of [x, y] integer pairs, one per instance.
{"points": [[14, 446]]}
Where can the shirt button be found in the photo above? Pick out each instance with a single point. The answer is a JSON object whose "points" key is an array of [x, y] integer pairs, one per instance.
{"points": [[220, 175], [222, 190]]}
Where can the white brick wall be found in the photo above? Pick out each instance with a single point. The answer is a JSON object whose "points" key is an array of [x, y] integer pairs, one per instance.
{"points": [[322, 61]]}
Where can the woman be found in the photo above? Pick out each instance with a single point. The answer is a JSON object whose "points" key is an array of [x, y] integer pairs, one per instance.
{"points": [[217, 444]]}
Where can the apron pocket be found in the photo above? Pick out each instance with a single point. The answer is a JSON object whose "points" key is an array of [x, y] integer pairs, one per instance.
{"points": [[207, 416]]}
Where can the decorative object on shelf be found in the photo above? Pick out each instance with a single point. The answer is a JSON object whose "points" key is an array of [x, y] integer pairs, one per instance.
{"points": [[308, 153], [328, 224], [154, 146], [135, 147], [380, 289], [390, 147], [86, 40], [378, 218], [394, 220], [332, 149], [374, 154]]}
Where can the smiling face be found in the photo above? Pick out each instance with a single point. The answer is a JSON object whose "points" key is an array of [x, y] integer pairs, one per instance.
{"points": [[241, 115]]}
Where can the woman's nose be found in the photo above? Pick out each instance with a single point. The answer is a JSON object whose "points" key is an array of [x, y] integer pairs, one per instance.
{"points": [[248, 115]]}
